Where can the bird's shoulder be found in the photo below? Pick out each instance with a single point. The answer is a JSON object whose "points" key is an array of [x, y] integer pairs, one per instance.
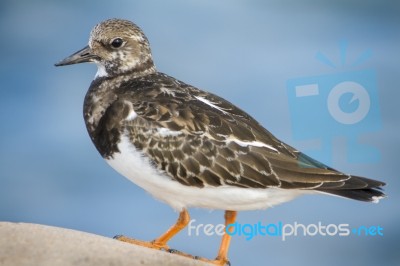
{"points": [[177, 105]]}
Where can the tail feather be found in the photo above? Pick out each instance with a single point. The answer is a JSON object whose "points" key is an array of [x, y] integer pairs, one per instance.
{"points": [[370, 192]]}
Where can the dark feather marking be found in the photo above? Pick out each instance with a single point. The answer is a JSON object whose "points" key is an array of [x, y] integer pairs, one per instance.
{"points": [[210, 178]]}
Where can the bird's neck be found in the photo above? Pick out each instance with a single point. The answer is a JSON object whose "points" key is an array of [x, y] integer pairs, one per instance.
{"points": [[131, 69]]}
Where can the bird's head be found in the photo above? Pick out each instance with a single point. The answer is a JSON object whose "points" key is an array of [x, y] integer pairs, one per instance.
{"points": [[117, 46]]}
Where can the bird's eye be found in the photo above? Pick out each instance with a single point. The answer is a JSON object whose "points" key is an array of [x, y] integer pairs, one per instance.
{"points": [[117, 43]]}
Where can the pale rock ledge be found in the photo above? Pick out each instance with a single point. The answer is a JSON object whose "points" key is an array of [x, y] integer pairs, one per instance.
{"points": [[34, 244]]}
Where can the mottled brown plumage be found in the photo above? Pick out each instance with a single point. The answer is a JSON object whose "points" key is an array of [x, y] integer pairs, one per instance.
{"points": [[202, 154]]}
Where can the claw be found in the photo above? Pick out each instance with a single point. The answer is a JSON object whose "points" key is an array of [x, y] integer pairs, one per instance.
{"points": [[171, 250]]}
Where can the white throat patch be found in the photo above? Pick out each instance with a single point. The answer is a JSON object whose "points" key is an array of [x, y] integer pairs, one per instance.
{"points": [[101, 71]]}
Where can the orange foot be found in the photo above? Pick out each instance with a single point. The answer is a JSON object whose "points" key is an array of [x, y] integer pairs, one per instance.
{"points": [[217, 262], [161, 242], [152, 244]]}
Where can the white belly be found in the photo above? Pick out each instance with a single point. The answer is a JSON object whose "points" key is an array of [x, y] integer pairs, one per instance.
{"points": [[133, 165]]}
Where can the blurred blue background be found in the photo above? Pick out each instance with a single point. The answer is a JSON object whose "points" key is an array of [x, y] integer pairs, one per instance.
{"points": [[245, 51]]}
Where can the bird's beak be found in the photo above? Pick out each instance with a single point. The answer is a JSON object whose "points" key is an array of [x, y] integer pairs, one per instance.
{"points": [[82, 56]]}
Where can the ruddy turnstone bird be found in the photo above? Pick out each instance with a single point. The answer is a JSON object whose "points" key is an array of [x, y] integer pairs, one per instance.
{"points": [[188, 147]]}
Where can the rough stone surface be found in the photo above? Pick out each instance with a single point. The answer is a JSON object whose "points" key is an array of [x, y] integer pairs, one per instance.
{"points": [[34, 244]]}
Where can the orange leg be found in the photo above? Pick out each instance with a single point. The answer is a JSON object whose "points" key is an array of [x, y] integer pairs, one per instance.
{"points": [[161, 242], [222, 257], [181, 223], [230, 218]]}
